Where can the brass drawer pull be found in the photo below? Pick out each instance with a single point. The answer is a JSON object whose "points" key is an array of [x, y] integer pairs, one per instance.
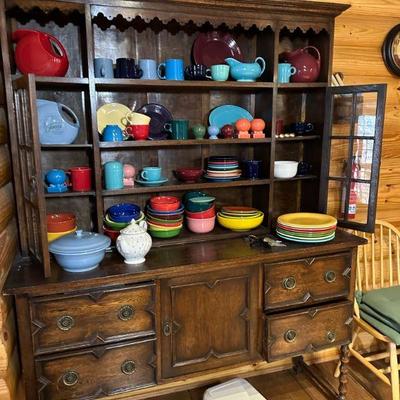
{"points": [[70, 378], [331, 336], [330, 276], [126, 313], [289, 283], [128, 367], [65, 323], [290, 335]]}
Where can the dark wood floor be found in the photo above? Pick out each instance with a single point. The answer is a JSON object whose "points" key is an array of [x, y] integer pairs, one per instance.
{"points": [[286, 385]]}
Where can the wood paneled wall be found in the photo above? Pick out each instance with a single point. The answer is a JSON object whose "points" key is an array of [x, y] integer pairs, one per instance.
{"points": [[359, 35], [9, 360]]}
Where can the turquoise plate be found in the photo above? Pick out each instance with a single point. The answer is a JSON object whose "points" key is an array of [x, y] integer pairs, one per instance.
{"points": [[151, 183], [227, 114], [293, 239]]}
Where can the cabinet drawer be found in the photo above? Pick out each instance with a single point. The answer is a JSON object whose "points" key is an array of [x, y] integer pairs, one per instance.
{"points": [[308, 330], [307, 281], [80, 320], [96, 372]]}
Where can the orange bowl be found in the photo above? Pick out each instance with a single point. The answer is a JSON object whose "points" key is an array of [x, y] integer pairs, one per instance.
{"points": [[61, 222]]}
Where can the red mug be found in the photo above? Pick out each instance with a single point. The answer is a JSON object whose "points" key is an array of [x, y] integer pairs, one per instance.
{"points": [[138, 132], [81, 179], [279, 127]]}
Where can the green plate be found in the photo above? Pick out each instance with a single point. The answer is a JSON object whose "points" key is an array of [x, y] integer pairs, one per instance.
{"points": [[117, 226], [301, 235], [294, 239]]}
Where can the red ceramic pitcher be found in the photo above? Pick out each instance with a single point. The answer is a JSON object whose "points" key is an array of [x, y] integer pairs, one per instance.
{"points": [[307, 66], [39, 53]]}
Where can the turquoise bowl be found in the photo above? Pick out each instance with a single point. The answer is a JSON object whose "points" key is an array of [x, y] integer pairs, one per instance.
{"points": [[197, 207]]}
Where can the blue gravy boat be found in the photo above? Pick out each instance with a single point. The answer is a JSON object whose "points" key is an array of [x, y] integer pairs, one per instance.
{"points": [[246, 72]]}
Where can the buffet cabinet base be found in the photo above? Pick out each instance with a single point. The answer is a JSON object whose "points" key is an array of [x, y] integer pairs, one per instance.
{"points": [[174, 324]]}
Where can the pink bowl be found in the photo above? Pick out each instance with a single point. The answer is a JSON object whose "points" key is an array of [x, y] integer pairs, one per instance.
{"points": [[209, 213], [200, 225]]}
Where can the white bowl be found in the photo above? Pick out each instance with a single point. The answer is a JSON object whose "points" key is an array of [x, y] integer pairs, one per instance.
{"points": [[285, 169]]}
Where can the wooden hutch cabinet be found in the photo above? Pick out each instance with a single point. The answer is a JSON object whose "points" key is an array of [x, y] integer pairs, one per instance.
{"points": [[202, 307]]}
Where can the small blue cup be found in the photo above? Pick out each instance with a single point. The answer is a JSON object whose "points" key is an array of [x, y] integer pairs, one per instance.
{"points": [[149, 68], [113, 175], [285, 71], [112, 133], [172, 70], [151, 173], [103, 68], [252, 169]]}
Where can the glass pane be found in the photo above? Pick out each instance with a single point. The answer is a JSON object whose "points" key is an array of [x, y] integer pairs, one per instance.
{"points": [[338, 157], [362, 158], [334, 199], [359, 199], [342, 113], [366, 114]]}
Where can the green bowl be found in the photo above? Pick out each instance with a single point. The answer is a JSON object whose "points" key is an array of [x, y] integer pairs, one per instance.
{"points": [[189, 195], [197, 207], [165, 234]]}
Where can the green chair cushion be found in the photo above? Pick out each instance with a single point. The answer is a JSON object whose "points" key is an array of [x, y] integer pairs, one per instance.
{"points": [[382, 318], [385, 302], [381, 327]]}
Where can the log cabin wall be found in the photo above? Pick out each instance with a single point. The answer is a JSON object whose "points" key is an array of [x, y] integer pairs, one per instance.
{"points": [[9, 359], [359, 34]]}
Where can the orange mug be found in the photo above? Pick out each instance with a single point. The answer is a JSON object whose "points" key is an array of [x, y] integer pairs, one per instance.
{"points": [[81, 179]]}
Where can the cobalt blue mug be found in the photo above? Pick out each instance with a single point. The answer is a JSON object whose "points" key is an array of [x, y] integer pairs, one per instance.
{"points": [[300, 128], [252, 169], [172, 70], [112, 133]]}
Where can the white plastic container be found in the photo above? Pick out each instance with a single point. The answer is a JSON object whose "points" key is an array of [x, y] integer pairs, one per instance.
{"points": [[235, 389], [285, 169]]}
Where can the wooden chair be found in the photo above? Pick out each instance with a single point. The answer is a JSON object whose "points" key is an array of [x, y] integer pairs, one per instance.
{"points": [[378, 266]]}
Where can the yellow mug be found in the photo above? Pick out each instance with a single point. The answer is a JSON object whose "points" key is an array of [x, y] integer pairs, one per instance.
{"points": [[134, 118]]}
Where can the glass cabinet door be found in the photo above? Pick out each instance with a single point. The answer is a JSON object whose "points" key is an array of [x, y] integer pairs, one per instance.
{"points": [[351, 154]]}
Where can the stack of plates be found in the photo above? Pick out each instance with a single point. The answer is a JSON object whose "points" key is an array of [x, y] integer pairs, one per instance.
{"points": [[240, 219], [164, 224], [306, 227], [223, 168]]}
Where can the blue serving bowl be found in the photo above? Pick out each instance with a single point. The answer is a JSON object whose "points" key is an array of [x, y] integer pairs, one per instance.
{"points": [[166, 213], [80, 262], [124, 212]]}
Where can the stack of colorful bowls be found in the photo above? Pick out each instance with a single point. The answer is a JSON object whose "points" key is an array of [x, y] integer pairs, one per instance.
{"points": [[119, 217], [306, 227], [200, 212], [240, 219], [223, 169], [164, 215], [59, 225]]}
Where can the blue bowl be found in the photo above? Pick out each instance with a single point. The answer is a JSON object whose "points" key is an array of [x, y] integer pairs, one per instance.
{"points": [[80, 262], [124, 212], [175, 212]]}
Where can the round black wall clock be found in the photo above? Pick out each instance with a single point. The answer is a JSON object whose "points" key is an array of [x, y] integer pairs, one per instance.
{"points": [[391, 50]]}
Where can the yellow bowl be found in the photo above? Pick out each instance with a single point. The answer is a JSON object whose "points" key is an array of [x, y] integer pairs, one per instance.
{"points": [[240, 224], [55, 235]]}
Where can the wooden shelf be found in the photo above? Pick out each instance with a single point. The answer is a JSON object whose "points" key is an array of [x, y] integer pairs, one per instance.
{"points": [[70, 194], [301, 85], [298, 138], [167, 85], [178, 143], [176, 186], [296, 178], [217, 234], [66, 146], [50, 82]]}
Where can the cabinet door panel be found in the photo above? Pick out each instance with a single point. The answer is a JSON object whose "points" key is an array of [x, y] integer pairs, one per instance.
{"points": [[209, 320]]}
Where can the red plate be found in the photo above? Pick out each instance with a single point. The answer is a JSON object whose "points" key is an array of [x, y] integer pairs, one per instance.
{"points": [[212, 48], [239, 209], [306, 230]]}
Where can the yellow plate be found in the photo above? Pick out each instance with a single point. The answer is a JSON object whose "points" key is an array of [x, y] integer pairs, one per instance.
{"points": [[307, 220], [238, 224], [111, 114], [55, 235]]}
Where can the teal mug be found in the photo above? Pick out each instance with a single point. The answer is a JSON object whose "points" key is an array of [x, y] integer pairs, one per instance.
{"points": [[113, 175], [218, 72], [285, 71], [178, 129], [151, 174]]}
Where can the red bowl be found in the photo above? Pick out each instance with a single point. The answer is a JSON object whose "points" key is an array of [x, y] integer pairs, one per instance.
{"points": [[165, 203], [111, 234], [189, 175], [60, 222], [209, 213]]}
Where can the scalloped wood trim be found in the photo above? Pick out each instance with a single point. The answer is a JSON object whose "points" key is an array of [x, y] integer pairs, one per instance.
{"points": [[315, 26]]}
